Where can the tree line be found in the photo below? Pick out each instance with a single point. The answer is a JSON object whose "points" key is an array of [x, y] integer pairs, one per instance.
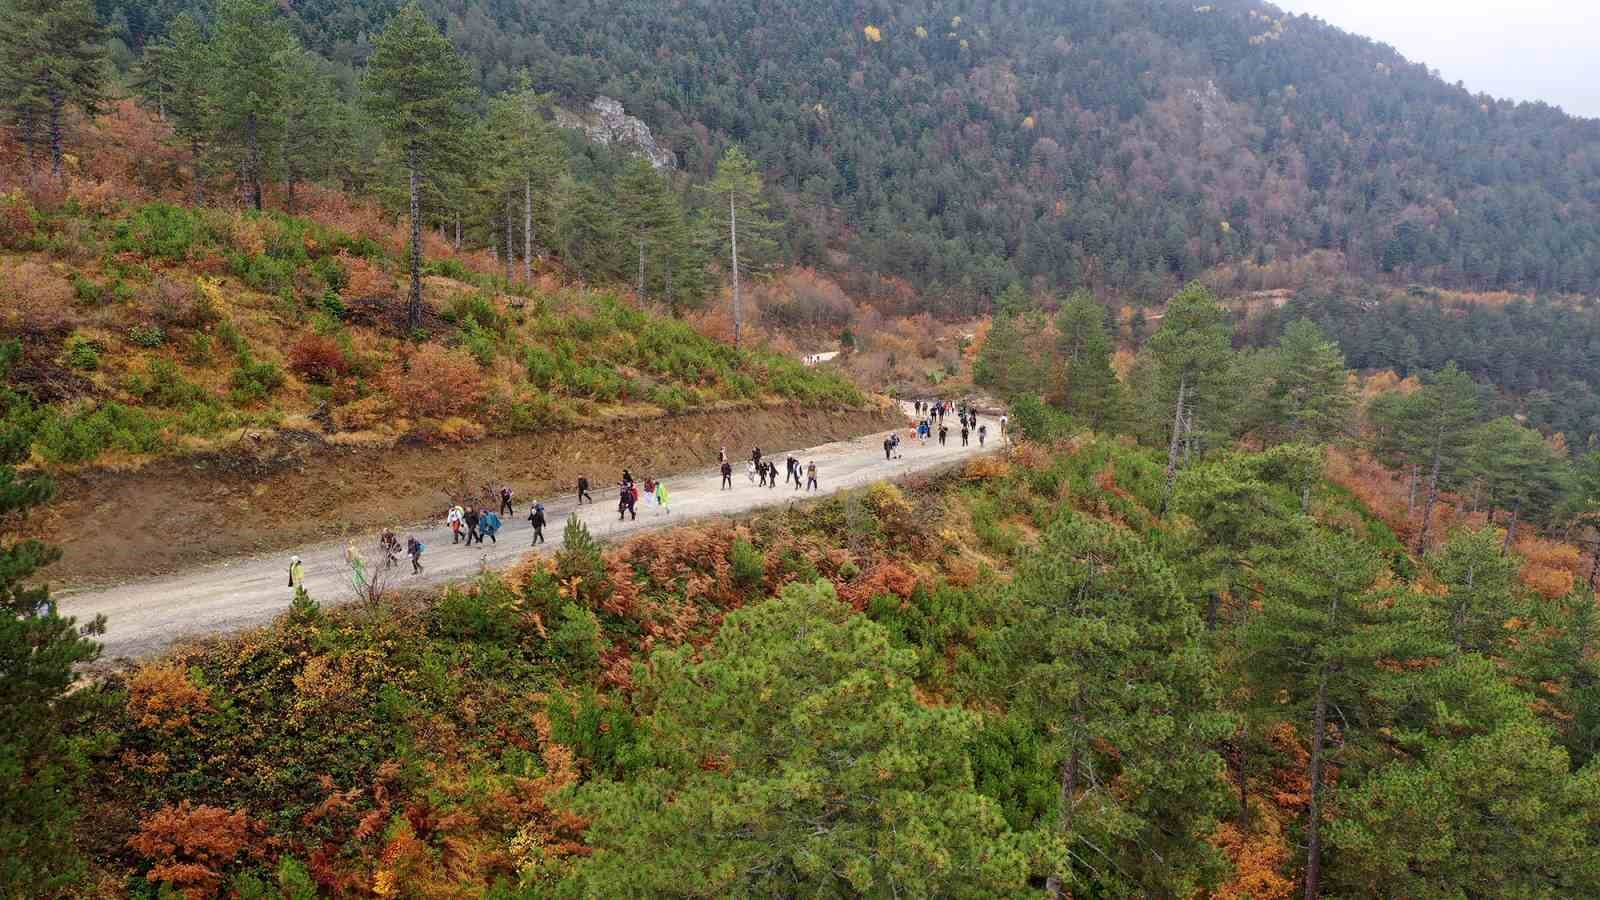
{"points": [[254, 108]]}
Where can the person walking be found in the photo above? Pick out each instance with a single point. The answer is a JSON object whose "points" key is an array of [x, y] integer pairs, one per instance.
{"points": [[722, 455], [661, 497], [649, 491], [472, 518], [455, 519], [414, 550], [358, 568], [390, 545], [536, 519], [583, 490], [488, 525], [727, 475], [772, 474], [1004, 421], [505, 501], [963, 434], [297, 573], [944, 432], [627, 497], [761, 474], [811, 476], [983, 432], [888, 447]]}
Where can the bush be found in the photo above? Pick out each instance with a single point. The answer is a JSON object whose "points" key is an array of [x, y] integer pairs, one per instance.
{"points": [[198, 352], [83, 355], [163, 231], [749, 566], [163, 385], [262, 272], [318, 358], [82, 436], [253, 380], [180, 304], [86, 291], [575, 639], [435, 383], [479, 342], [18, 223], [486, 613], [146, 335], [467, 310]]}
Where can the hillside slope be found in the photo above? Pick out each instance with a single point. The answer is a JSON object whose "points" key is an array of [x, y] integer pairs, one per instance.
{"points": [[1126, 144]]}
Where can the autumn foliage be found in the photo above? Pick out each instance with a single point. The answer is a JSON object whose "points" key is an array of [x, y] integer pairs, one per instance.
{"points": [[189, 846]]}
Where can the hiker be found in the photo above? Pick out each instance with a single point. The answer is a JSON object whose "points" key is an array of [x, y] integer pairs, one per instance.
{"points": [[772, 474], [649, 491], [390, 545], [358, 568], [963, 435], [536, 519], [755, 456], [811, 476], [627, 476], [488, 524], [583, 490], [472, 518], [505, 501], [455, 518], [297, 572], [627, 496], [944, 432], [1004, 421], [793, 473], [661, 497], [983, 432], [750, 470], [888, 447], [727, 475], [414, 550], [722, 455], [761, 473]]}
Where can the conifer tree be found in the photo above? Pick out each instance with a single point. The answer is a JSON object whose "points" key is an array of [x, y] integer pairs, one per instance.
{"points": [[250, 43], [39, 764], [52, 55], [1192, 354], [790, 757], [311, 119], [1307, 391], [185, 82], [742, 212], [528, 155], [1435, 422], [1516, 469], [1105, 655], [417, 87], [1090, 389]]}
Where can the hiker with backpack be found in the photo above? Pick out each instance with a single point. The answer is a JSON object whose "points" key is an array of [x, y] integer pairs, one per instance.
{"points": [[583, 490], [536, 519], [505, 501], [727, 475], [488, 525], [456, 518], [414, 550], [471, 519], [627, 496]]}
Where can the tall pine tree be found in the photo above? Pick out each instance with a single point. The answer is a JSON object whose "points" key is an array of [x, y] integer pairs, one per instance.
{"points": [[52, 53]]}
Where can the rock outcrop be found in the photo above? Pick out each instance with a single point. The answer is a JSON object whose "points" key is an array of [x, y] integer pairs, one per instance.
{"points": [[606, 123]]}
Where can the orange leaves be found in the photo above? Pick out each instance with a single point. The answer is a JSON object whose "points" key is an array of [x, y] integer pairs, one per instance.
{"points": [[190, 846], [436, 383], [160, 695], [886, 578], [1258, 864], [1549, 567], [317, 358]]}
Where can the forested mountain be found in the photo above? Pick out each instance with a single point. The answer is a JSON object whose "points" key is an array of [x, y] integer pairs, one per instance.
{"points": [[1123, 145]]}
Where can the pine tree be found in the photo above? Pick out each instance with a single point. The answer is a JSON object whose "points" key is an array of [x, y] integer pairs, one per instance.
{"points": [[1090, 389], [1479, 583], [742, 211], [250, 43], [311, 119], [39, 763], [528, 156], [645, 210], [53, 56], [1308, 388], [790, 757], [1436, 421], [1192, 353], [417, 87], [1105, 656], [1316, 636], [187, 93], [1516, 469]]}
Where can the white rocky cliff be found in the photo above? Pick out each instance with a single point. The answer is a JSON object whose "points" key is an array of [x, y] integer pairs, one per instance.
{"points": [[607, 123]]}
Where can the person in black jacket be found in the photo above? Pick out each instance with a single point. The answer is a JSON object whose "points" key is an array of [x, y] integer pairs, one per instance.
{"points": [[727, 475], [583, 490], [536, 519], [472, 518]]}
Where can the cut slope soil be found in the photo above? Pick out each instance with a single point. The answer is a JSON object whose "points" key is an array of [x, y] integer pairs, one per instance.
{"points": [[293, 489]]}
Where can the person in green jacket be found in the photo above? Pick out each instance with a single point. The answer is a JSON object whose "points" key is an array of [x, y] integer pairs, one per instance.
{"points": [[297, 573], [661, 496]]}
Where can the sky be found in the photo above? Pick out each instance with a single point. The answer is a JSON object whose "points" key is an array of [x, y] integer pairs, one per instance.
{"points": [[1521, 49]]}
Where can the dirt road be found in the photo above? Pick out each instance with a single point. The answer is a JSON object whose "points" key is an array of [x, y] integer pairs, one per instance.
{"points": [[145, 617]]}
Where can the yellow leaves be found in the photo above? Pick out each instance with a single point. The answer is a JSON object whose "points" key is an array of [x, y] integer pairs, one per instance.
{"points": [[1028, 123], [384, 883], [162, 696], [872, 33]]}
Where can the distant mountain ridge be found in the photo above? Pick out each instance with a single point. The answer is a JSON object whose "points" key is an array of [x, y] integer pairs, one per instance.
{"points": [[1126, 145]]}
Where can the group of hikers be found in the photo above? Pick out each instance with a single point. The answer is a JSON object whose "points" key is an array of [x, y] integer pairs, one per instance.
{"points": [[472, 523], [762, 471]]}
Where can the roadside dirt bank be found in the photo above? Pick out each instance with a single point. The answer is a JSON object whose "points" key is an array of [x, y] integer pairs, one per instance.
{"points": [[289, 490]]}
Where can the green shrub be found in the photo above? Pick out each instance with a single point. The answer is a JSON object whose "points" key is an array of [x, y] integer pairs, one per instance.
{"points": [[163, 385], [448, 268], [474, 309], [198, 352], [485, 614], [575, 640], [333, 306], [146, 335], [479, 343], [605, 736], [229, 335], [83, 355], [84, 435], [163, 231], [262, 272], [86, 291], [748, 564], [544, 370], [254, 380]]}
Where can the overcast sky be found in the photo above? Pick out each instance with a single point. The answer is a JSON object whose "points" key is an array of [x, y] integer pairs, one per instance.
{"points": [[1522, 49]]}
